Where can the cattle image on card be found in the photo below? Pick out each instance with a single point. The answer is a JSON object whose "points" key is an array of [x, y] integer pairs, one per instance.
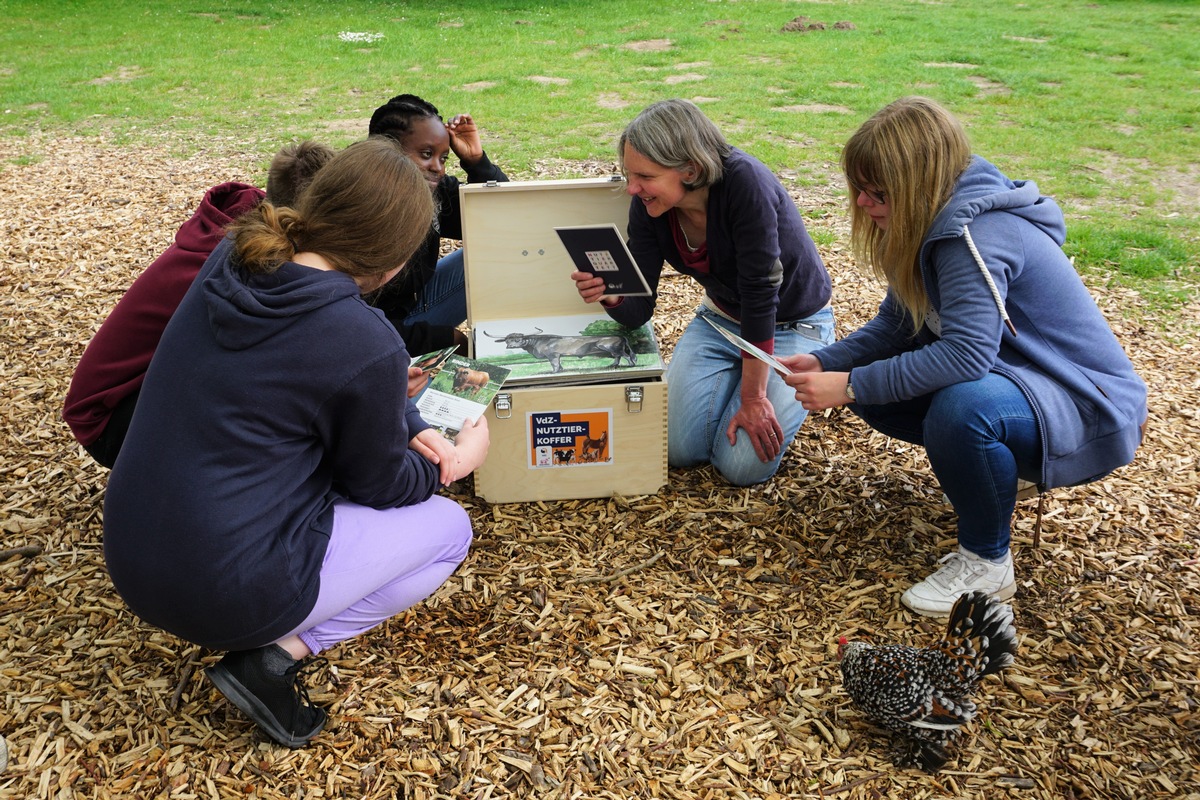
{"points": [[601, 250], [575, 348], [461, 388], [757, 352]]}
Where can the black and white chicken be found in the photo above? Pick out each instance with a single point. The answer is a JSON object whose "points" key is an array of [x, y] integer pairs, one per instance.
{"points": [[925, 693]]}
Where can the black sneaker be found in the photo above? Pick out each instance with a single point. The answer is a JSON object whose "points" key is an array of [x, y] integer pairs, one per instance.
{"points": [[265, 685]]}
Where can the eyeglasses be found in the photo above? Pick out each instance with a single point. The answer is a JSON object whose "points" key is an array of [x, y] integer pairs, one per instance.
{"points": [[876, 196]]}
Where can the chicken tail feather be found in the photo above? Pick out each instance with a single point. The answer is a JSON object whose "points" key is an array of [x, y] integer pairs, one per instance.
{"points": [[983, 627]]}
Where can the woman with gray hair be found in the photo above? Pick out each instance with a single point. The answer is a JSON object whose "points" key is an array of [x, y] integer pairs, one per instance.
{"points": [[716, 213]]}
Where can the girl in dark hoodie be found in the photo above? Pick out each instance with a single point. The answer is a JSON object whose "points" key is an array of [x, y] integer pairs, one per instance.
{"points": [[275, 493]]}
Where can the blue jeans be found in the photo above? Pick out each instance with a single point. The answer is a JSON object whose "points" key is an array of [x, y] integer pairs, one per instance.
{"points": [[980, 437], [704, 392], [443, 301]]}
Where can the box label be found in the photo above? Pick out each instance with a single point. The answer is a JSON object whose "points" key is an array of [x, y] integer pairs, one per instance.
{"points": [[564, 439]]}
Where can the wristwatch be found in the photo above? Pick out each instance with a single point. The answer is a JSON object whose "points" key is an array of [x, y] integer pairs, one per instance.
{"points": [[850, 390]]}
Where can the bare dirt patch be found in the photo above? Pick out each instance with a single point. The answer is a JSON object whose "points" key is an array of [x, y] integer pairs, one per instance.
{"points": [[610, 100], [649, 45], [679, 645], [122, 75], [1177, 188], [803, 24], [987, 86], [686, 77]]}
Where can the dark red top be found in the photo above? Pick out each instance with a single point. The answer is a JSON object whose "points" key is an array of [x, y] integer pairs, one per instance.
{"points": [[114, 363]]}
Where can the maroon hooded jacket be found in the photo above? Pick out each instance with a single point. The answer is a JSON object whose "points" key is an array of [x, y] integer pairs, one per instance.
{"points": [[114, 363]]}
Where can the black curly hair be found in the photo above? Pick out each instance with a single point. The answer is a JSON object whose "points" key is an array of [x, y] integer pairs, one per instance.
{"points": [[395, 117]]}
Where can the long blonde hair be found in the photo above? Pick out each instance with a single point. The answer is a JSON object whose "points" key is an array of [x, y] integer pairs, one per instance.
{"points": [[366, 212], [914, 151]]}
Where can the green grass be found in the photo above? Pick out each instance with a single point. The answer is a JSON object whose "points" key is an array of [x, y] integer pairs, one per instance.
{"points": [[1095, 101]]}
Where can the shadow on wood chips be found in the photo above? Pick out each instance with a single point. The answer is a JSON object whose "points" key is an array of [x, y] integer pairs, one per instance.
{"points": [[675, 645]]}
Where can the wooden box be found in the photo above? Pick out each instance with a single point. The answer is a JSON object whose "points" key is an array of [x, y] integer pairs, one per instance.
{"points": [[590, 431]]}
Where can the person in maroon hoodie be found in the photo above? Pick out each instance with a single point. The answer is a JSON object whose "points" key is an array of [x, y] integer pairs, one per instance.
{"points": [[104, 389]]}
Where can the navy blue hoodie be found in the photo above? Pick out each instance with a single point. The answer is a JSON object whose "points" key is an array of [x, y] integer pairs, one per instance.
{"points": [[269, 398], [763, 267]]}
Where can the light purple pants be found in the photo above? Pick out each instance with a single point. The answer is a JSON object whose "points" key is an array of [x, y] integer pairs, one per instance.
{"points": [[380, 562]]}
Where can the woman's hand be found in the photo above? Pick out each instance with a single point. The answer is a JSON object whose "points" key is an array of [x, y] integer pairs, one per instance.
{"points": [[464, 139], [818, 391], [590, 287], [417, 379], [801, 362], [471, 446], [438, 450], [757, 418]]}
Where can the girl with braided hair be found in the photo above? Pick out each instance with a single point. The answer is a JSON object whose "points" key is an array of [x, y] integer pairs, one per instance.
{"points": [[428, 300]]}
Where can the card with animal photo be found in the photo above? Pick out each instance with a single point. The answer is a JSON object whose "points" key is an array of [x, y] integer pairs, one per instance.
{"points": [[461, 389], [432, 362]]}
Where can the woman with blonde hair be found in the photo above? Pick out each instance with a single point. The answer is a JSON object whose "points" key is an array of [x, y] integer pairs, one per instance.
{"points": [[987, 349], [275, 493]]}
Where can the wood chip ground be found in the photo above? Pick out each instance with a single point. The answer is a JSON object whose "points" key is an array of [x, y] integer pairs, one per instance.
{"points": [[679, 645]]}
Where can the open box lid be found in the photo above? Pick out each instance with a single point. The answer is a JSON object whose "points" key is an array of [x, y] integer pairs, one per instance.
{"points": [[519, 286], [516, 266]]}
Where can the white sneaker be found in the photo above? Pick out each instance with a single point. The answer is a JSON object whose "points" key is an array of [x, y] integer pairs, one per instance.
{"points": [[963, 572]]}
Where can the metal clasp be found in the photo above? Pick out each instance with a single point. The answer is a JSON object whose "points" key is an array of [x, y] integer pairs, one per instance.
{"points": [[503, 403], [633, 399]]}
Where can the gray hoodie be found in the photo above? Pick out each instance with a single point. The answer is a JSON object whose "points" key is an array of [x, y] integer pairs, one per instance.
{"points": [[1088, 400]]}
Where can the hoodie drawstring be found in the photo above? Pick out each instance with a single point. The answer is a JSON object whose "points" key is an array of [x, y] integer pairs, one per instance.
{"points": [[987, 277]]}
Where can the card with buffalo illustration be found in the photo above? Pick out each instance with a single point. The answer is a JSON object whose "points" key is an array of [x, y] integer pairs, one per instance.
{"points": [[601, 250], [459, 388], [576, 348]]}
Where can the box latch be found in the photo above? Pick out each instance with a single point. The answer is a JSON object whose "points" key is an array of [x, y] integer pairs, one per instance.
{"points": [[503, 404], [633, 399]]}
